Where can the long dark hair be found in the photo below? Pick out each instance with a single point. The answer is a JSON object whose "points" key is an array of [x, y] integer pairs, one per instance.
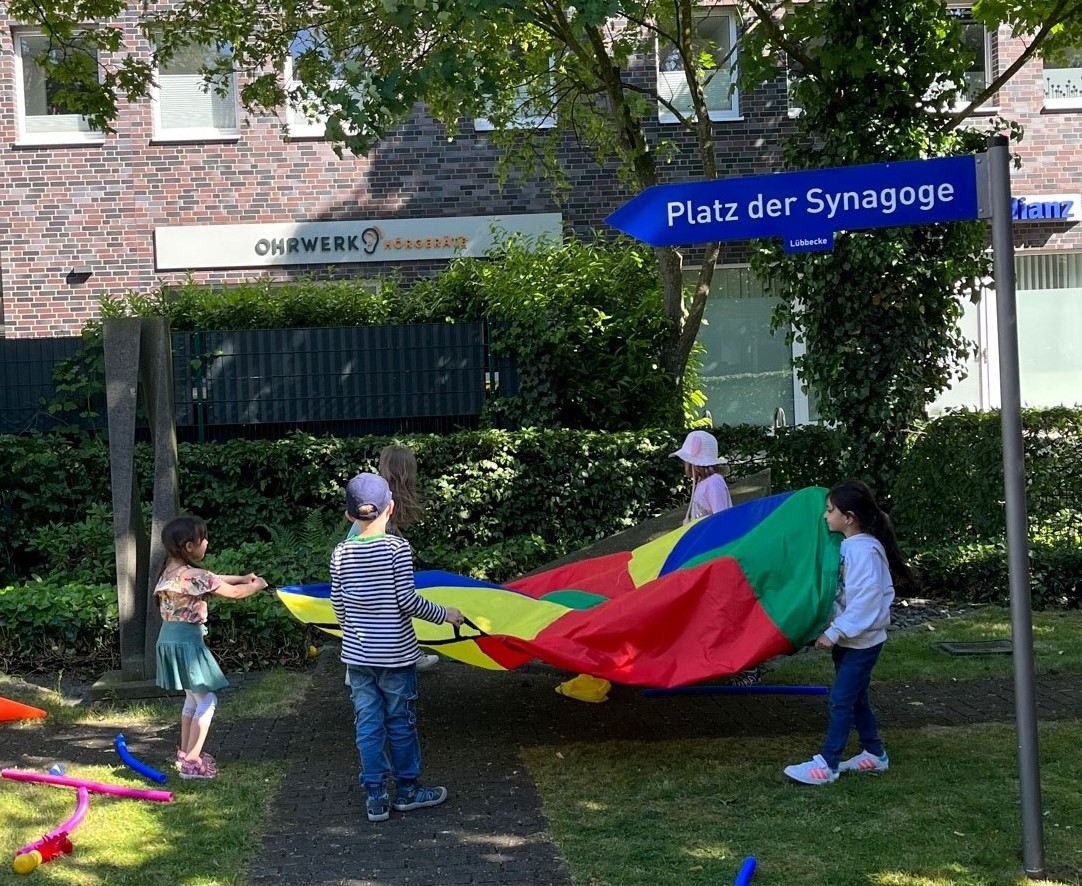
{"points": [[179, 532], [398, 466], [858, 501]]}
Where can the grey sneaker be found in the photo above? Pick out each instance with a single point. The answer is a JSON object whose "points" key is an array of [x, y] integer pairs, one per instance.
{"points": [[865, 762], [418, 797], [427, 661], [379, 806]]}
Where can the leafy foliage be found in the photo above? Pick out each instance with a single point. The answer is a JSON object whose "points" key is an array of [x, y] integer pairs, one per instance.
{"points": [[581, 324], [55, 623], [959, 500], [978, 573], [879, 314], [283, 497]]}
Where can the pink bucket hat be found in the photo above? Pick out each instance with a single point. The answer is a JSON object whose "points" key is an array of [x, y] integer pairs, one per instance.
{"points": [[700, 448]]}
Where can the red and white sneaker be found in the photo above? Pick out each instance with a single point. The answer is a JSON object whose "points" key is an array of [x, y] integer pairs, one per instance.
{"points": [[815, 771], [865, 762]]}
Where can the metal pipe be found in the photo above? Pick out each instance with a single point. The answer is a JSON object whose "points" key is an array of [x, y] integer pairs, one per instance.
{"points": [[1014, 487]]}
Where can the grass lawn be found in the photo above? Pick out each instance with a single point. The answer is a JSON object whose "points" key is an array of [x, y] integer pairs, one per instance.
{"points": [[946, 814], [205, 837], [913, 655]]}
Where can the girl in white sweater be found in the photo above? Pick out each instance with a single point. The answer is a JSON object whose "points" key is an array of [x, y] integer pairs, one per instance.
{"points": [[856, 632]]}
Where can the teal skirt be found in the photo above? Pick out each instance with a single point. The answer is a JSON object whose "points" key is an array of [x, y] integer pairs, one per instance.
{"points": [[184, 662]]}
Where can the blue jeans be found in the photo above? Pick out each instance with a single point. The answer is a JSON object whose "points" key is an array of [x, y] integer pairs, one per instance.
{"points": [[384, 704], [849, 704]]}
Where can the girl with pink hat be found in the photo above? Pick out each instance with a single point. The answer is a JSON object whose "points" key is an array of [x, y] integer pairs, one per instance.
{"points": [[709, 492]]}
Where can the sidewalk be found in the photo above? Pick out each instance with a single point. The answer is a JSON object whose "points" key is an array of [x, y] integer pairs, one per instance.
{"points": [[473, 722]]}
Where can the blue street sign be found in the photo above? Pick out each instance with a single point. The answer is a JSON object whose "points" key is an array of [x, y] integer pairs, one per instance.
{"points": [[805, 208]]}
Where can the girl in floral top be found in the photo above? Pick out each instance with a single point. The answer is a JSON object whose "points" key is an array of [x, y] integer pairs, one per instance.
{"points": [[184, 662]]}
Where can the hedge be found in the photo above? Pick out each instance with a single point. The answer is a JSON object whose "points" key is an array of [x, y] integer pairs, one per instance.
{"points": [[498, 504]]}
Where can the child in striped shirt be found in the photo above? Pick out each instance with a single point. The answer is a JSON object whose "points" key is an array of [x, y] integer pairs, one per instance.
{"points": [[375, 601]]}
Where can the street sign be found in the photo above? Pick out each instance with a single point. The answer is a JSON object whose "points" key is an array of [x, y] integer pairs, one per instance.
{"points": [[805, 209]]}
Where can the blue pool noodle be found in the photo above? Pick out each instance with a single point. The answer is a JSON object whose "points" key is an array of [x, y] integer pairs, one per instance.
{"points": [[141, 768], [743, 877]]}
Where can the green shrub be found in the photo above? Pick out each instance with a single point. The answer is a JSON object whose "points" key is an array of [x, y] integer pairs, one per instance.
{"points": [[54, 624], [51, 625], [481, 488], [977, 573], [582, 323], [950, 484], [82, 551]]}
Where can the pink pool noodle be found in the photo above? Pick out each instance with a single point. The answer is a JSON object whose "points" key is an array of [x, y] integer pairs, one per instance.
{"points": [[94, 787], [81, 807]]}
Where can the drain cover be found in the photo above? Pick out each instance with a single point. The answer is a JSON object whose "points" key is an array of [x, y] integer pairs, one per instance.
{"points": [[979, 647]]}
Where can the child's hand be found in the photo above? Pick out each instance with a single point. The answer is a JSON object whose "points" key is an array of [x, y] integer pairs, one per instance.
{"points": [[259, 581], [454, 616], [824, 642]]}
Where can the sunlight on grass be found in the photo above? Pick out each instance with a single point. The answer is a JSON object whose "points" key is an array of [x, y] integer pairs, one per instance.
{"points": [[269, 694], [912, 655], [687, 813], [125, 842], [275, 693]]}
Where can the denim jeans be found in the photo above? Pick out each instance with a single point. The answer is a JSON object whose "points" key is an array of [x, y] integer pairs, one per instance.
{"points": [[384, 705], [849, 704]]}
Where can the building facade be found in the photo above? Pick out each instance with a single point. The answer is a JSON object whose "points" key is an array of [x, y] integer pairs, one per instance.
{"points": [[192, 187]]}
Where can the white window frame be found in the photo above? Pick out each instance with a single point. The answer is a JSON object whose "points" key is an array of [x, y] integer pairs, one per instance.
{"points": [[964, 15], [669, 81], [1071, 102], [791, 77], [26, 137], [299, 124], [519, 121], [194, 133]]}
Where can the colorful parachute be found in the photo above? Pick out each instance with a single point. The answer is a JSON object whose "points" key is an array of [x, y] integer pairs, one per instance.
{"points": [[711, 598]]}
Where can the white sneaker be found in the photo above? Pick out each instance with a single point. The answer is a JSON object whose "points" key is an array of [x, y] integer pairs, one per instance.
{"points": [[865, 762], [815, 771], [427, 661]]}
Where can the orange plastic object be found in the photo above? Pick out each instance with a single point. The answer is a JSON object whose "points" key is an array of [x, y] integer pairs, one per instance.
{"points": [[13, 710]]}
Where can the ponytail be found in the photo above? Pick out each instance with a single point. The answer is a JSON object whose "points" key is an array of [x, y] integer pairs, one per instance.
{"points": [[857, 499]]}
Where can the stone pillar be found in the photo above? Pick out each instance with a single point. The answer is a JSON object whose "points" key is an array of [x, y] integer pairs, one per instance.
{"points": [[156, 376], [138, 353]]}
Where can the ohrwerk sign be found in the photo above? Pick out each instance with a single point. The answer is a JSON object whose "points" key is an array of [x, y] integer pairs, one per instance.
{"points": [[805, 209]]}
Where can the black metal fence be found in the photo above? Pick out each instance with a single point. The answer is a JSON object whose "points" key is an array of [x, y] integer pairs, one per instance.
{"points": [[355, 379]]}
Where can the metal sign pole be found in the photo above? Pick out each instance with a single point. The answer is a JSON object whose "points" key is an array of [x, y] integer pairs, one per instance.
{"points": [[1014, 486]]}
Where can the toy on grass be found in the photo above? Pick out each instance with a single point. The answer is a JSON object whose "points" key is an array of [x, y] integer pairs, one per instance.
{"points": [[754, 689], [94, 787], [55, 843], [138, 766], [13, 710], [743, 876]]}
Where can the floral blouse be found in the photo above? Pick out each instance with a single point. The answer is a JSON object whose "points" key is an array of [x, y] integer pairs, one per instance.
{"points": [[182, 597]]}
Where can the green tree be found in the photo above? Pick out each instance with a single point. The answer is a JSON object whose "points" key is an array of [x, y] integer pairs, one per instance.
{"points": [[877, 80], [879, 314]]}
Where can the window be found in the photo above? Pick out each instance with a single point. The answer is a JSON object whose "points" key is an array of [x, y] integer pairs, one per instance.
{"points": [[526, 114], [186, 108], [715, 33], [46, 115], [747, 371], [976, 39], [792, 78], [305, 114], [1063, 80]]}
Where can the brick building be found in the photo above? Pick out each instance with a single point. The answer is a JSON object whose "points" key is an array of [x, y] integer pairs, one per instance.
{"points": [[191, 184]]}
